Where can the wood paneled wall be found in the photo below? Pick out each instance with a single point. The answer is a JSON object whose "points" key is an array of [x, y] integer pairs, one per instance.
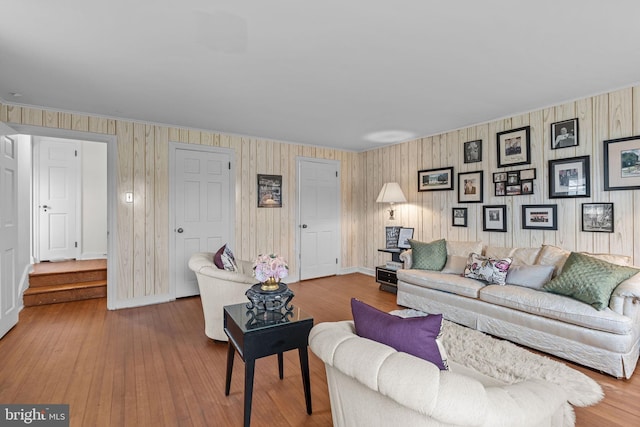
{"points": [[608, 116], [142, 167]]}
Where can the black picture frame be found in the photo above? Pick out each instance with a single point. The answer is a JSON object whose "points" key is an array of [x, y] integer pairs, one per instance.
{"points": [[494, 218], [514, 147], [564, 134], [473, 151], [622, 164], [269, 191], [439, 179], [404, 235], [598, 217], [470, 187], [391, 235], [459, 217], [499, 177], [526, 187], [527, 174], [570, 177], [540, 217]]}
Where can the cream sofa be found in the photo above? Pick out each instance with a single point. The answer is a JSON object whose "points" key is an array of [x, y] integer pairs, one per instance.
{"points": [[606, 340], [371, 384]]}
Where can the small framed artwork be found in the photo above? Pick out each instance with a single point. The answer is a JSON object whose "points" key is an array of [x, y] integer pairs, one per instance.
{"points": [[564, 134], [269, 191], [500, 189], [513, 177], [540, 217], [473, 151], [403, 237], [622, 164], [391, 236], [514, 147], [494, 218], [597, 217], [435, 179], [526, 186], [514, 190], [499, 177], [527, 174], [459, 217], [569, 177], [470, 187]]}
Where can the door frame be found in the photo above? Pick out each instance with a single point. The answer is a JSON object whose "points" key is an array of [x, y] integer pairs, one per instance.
{"points": [[337, 164], [112, 225], [173, 147]]}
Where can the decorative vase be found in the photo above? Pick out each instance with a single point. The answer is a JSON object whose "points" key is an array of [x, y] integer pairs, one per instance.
{"points": [[271, 284]]}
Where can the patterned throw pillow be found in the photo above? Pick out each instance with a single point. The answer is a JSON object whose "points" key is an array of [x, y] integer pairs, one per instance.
{"points": [[490, 270], [224, 260], [428, 256], [589, 279]]}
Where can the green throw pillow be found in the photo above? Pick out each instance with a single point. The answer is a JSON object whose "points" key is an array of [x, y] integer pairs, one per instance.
{"points": [[428, 256], [589, 280]]}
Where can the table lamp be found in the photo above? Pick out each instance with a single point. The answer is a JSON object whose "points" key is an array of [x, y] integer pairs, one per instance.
{"points": [[391, 193]]}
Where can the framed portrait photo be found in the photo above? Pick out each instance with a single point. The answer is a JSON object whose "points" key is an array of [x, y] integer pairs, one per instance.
{"points": [[459, 216], [564, 134], [435, 179], [500, 189], [403, 237], [597, 217], [473, 151], [499, 177], [569, 177], [269, 191], [514, 147], [540, 217], [526, 186], [622, 164], [494, 218], [470, 187]]}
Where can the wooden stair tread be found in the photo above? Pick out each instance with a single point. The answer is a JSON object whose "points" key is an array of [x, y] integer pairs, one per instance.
{"points": [[65, 287]]}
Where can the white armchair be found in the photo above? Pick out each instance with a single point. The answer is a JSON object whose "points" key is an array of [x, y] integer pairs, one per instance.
{"points": [[219, 288]]}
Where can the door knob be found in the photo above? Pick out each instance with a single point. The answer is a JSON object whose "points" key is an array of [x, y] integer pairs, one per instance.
{"points": [[304, 225], [180, 230], [45, 207]]}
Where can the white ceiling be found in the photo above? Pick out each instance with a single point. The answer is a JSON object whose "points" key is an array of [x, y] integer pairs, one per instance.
{"points": [[325, 72]]}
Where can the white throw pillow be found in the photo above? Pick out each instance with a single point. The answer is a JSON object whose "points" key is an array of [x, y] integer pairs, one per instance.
{"points": [[455, 264], [529, 276]]}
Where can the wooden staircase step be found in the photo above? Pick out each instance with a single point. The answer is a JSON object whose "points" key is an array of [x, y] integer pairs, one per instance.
{"points": [[65, 292], [48, 279]]}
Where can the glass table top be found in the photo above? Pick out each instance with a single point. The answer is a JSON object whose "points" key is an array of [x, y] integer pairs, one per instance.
{"points": [[253, 319]]}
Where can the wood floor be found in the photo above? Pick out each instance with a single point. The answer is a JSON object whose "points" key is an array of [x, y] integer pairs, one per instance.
{"points": [[153, 366]]}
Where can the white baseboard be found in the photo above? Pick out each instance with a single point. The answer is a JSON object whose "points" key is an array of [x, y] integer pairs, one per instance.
{"points": [[92, 255], [138, 302]]}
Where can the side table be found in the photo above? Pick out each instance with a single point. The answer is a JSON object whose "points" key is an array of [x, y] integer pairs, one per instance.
{"points": [[253, 339]]}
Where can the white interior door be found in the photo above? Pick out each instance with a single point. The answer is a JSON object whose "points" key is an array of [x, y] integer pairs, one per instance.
{"points": [[9, 292], [204, 210], [319, 217], [58, 168]]}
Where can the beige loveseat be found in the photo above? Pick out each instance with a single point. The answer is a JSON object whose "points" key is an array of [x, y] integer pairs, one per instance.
{"points": [[371, 384], [606, 340]]}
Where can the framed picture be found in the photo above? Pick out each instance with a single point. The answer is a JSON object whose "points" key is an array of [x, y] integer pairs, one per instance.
{"points": [[391, 235], [435, 179], [459, 217], [540, 217], [499, 177], [514, 147], [500, 189], [494, 218], [470, 187], [473, 151], [622, 163], [597, 217], [569, 177], [514, 190], [403, 237], [513, 177], [269, 191], [526, 186], [564, 134], [527, 174]]}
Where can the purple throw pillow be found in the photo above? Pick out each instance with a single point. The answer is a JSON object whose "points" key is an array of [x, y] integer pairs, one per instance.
{"points": [[217, 258], [412, 335]]}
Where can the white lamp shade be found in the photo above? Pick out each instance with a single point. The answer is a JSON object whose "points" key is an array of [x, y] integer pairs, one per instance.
{"points": [[391, 193]]}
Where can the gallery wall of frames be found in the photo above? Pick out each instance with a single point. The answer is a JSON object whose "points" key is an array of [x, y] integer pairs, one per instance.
{"points": [[567, 175]]}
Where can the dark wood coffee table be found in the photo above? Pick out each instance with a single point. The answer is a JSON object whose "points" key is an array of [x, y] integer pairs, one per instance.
{"points": [[267, 334]]}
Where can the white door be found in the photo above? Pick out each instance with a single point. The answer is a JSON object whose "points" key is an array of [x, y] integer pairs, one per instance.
{"points": [[9, 293], [203, 210], [319, 217], [57, 182]]}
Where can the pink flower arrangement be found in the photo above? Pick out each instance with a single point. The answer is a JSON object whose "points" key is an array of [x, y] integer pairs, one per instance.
{"points": [[271, 265]]}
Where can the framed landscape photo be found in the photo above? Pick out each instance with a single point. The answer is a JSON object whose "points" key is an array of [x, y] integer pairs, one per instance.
{"points": [[459, 217], [269, 191], [494, 218], [569, 177], [622, 164], [526, 174], [540, 217], [564, 134], [470, 187], [473, 151], [597, 217], [514, 147], [403, 237], [435, 179]]}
